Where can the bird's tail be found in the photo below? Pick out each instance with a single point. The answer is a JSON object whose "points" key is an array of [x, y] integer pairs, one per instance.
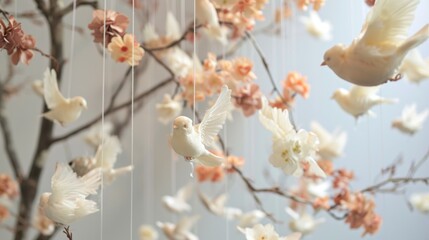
{"points": [[415, 40], [85, 207], [210, 160], [388, 101]]}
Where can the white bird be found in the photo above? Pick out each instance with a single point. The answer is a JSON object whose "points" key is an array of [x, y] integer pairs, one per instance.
{"points": [[375, 56], [179, 203], [331, 144], [37, 87], [181, 230], [304, 222], [67, 202], [62, 110], [217, 206], [191, 141], [105, 159], [249, 219], [97, 133], [415, 67], [410, 121], [316, 27], [359, 100], [206, 14]]}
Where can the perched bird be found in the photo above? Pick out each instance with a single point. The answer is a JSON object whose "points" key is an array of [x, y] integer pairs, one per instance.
{"points": [[179, 203], [410, 121], [191, 141], [62, 110], [415, 68], [105, 159], [375, 56], [331, 144], [316, 27], [181, 230], [67, 202], [217, 206], [206, 14], [359, 100]]}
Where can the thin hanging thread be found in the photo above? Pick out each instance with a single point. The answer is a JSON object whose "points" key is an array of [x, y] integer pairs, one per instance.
{"points": [[194, 65], [132, 123], [70, 80], [102, 118]]}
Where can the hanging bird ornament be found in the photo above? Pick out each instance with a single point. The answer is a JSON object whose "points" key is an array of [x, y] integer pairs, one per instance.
{"points": [[375, 56], [190, 141]]}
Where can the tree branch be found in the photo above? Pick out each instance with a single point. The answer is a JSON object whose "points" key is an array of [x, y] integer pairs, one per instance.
{"points": [[69, 8]]}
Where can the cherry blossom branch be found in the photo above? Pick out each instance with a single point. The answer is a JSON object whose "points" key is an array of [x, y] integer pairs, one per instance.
{"points": [[69, 8], [68, 233], [8, 141]]}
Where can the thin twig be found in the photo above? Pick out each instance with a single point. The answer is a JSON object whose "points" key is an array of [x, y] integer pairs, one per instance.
{"points": [[68, 233]]}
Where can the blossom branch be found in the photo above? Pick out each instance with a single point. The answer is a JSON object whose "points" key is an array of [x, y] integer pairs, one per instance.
{"points": [[68, 233], [69, 8]]}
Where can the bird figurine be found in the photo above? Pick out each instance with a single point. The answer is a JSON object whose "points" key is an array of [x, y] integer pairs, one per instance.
{"points": [[415, 68], [331, 144], [190, 141], [63, 110], [181, 230], [410, 121], [67, 202], [178, 203], [374, 57], [206, 14], [359, 100], [105, 159]]}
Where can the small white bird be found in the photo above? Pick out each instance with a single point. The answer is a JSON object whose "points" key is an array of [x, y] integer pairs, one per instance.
{"points": [[67, 202], [359, 100], [415, 67], [105, 159], [375, 56], [217, 206], [304, 222], [191, 141], [181, 230], [249, 219], [331, 144], [179, 203], [206, 14], [410, 121], [97, 133], [62, 110], [316, 27]]}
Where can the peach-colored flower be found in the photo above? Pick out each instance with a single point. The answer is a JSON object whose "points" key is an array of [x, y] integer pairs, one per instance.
{"points": [[248, 98], [116, 24], [213, 82], [189, 92], [210, 63], [282, 13], [342, 178], [242, 70], [4, 213], [296, 83], [17, 44], [303, 4], [212, 174], [321, 203], [233, 161], [370, 2], [8, 187], [372, 224], [122, 49], [318, 4]]}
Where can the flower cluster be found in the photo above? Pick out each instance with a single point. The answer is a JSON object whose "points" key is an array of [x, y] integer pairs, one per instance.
{"points": [[17, 44], [8, 187], [109, 27], [217, 174], [293, 84], [240, 14], [267, 232]]}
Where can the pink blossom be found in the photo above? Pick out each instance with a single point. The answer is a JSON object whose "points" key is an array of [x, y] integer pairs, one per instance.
{"points": [[8, 187], [116, 24], [248, 98], [126, 49]]}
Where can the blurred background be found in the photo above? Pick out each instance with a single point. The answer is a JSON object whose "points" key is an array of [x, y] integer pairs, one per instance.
{"points": [[372, 143]]}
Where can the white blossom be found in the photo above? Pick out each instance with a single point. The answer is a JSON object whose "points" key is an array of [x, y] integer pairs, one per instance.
{"points": [[147, 232], [420, 201]]}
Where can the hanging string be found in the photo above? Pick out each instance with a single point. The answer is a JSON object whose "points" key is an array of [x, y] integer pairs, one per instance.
{"points": [[132, 121], [102, 118], [194, 65], [70, 78]]}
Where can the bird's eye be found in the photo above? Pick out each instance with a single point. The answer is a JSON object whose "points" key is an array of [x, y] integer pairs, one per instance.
{"points": [[328, 59], [185, 126]]}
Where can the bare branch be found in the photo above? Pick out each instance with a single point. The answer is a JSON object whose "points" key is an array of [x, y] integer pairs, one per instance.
{"points": [[79, 3]]}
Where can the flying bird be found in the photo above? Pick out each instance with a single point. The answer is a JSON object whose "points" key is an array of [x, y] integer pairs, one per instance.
{"points": [[374, 57], [191, 141], [62, 110], [206, 14], [181, 230], [179, 203], [105, 159], [331, 144], [217, 206], [359, 100], [67, 202], [410, 121], [415, 68]]}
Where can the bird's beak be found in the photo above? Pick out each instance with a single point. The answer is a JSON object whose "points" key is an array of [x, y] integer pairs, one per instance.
{"points": [[174, 126], [323, 63]]}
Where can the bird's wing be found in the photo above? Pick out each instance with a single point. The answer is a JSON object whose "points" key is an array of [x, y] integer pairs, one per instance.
{"points": [[215, 117], [66, 185], [359, 92], [185, 224], [293, 236], [388, 22], [421, 117], [275, 120], [107, 153], [185, 192], [323, 135], [220, 200], [51, 92], [340, 141], [172, 26]]}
